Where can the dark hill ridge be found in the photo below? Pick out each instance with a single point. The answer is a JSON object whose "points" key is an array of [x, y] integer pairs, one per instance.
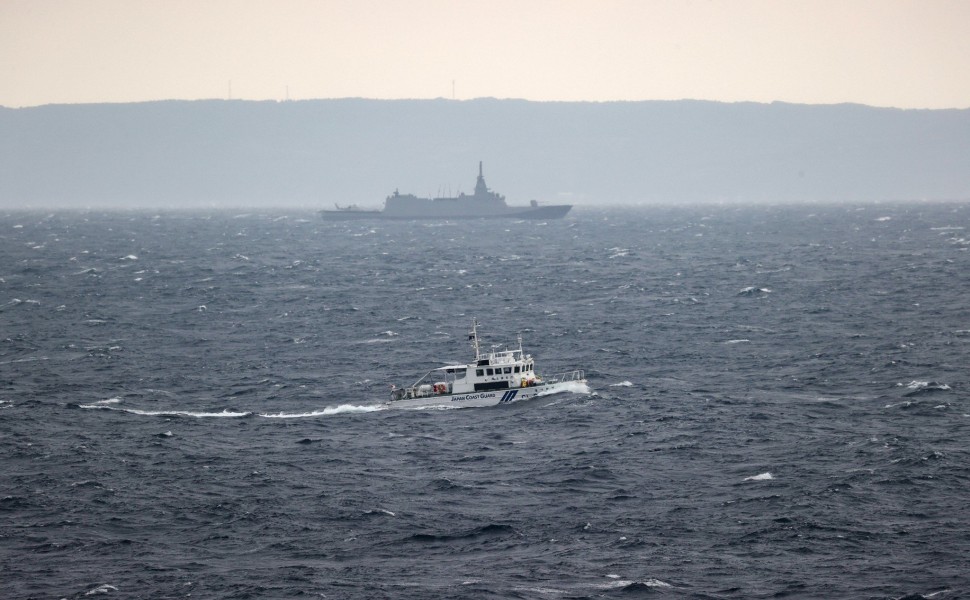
{"points": [[317, 152]]}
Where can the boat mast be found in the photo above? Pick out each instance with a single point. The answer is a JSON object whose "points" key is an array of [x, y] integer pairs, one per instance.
{"points": [[474, 337], [481, 189]]}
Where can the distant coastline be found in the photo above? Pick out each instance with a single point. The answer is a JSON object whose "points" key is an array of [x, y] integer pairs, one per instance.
{"points": [[314, 153]]}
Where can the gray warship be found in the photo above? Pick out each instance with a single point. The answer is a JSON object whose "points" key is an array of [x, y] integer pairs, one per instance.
{"points": [[483, 204]]}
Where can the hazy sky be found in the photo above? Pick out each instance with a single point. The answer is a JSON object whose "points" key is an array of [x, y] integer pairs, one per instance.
{"points": [[910, 54]]}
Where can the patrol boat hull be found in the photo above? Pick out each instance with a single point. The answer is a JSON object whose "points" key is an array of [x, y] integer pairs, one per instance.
{"points": [[489, 398]]}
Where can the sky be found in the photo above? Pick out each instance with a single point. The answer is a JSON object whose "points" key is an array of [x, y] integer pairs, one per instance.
{"points": [[893, 53]]}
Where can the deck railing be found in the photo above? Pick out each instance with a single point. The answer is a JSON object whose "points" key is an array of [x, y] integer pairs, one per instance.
{"points": [[575, 375]]}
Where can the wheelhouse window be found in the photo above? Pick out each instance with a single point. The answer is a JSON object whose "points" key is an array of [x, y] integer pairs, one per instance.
{"points": [[508, 370], [480, 372], [516, 369], [489, 372]]}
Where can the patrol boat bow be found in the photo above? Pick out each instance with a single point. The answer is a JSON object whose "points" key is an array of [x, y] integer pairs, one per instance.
{"points": [[495, 377]]}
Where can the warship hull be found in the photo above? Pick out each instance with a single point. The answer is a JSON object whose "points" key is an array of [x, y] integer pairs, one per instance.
{"points": [[541, 212]]}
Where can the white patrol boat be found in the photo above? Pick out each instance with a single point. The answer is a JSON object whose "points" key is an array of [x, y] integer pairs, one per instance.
{"points": [[495, 377]]}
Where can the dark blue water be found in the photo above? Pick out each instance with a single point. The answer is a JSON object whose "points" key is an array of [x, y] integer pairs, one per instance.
{"points": [[778, 408]]}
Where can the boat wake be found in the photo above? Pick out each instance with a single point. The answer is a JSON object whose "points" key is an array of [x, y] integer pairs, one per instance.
{"points": [[330, 410], [226, 413]]}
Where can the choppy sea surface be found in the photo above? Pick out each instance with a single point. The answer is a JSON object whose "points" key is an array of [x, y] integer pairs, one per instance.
{"points": [[191, 405]]}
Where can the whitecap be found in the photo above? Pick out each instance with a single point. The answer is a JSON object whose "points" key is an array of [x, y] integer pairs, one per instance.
{"points": [[129, 257], [926, 385], [102, 589], [24, 360], [762, 477], [752, 290], [622, 384], [623, 583], [383, 511]]}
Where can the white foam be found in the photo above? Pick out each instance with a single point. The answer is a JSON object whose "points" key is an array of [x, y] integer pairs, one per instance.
{"points": [[761, 477], [622, 583], [186, 413], [102, 589], [622, 384], [24, 360], [574, 387], [739, 341], [754, 290], [168, 413], [330, 410], [921, 385], [381, 511]]}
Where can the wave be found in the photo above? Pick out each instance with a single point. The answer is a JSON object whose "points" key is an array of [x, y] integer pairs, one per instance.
{"points": [[925, 387], [753, 291], [102, 589], [626, 585], [626, 383], [18, 302], [762, 477], [485, 531]]}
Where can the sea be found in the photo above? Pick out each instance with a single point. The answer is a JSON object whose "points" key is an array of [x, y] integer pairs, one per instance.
{"points": [[193, 405]]}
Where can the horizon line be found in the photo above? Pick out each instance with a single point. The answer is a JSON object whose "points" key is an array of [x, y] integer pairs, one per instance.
{"points": [[476, 99]]}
